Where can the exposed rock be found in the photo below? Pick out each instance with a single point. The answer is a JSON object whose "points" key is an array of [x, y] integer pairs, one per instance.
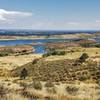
{"points": [[17, 49]]}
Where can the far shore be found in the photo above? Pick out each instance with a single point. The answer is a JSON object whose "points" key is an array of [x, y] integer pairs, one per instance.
{"points": [[63, 36]]}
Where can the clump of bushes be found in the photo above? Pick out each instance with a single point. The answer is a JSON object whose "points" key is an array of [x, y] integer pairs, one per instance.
{"points": [[35, 61], [49, 84], [23, 74], [4, 54], [53, 52], [30, 95], [37, 85], [83, 77], [72, 90], [24, 85], [81, 59], [50, 87], [51, 90]]}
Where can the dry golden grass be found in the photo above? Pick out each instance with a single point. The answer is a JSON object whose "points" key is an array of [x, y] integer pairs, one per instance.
{"points": [[85, 92], [74, 55], [11, 62]]}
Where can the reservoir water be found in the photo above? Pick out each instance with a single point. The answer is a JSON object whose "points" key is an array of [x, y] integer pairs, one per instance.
{"points": [[38, 48]]}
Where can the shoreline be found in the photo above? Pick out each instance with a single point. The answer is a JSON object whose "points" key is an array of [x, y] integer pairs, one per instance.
{"points": [[61, 36]]}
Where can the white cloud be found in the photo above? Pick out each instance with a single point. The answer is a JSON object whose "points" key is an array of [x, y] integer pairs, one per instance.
{"points": [[66, 25], [17, 19], [6, 15], [42, 25], [73, 23], [97, 21]]}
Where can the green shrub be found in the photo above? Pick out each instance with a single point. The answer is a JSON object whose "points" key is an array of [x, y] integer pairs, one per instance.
{"points": [[83, 57], [46, 55], [61, 53], [49, 84], [35, 61], [72, 90], [51, 90], [22, 84], [83, 77], [53, 52], [3, 54], [37, 85], [30, 95], [23, 74]]}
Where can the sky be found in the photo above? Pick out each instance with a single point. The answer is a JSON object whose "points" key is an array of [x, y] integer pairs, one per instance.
{"points": [[50, 14]]}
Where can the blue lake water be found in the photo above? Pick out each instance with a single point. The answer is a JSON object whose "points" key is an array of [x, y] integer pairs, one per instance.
{"points": [[20, 42], [38, 48]]}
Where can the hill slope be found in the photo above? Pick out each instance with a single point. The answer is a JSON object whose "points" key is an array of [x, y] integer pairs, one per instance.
{"points": [[61, 71]]}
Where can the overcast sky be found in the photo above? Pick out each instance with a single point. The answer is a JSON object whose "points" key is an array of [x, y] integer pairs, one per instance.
{"points": [[50, 14]]}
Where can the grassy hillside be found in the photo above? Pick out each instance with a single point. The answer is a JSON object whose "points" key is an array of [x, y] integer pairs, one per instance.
{"points": [[61, 71], [58, 76]]}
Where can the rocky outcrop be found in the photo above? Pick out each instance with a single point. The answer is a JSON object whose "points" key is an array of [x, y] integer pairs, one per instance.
{"points": [[17, 49]]}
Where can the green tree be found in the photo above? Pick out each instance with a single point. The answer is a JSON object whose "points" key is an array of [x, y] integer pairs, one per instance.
{"points": [[83, 57], [23, 74]]}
